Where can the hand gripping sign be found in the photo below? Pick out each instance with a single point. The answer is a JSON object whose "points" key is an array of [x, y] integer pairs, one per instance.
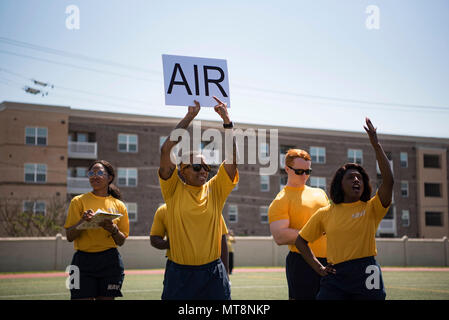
{"points": [[191, 78]]}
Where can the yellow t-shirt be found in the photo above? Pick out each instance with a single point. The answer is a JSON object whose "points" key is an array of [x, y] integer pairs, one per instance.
{"points": [[297, 205], [350, 229], [194, 217], [96, 240], [158, 228], [230, 240]]}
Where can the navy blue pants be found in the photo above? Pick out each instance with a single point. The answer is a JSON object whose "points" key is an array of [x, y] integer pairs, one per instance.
{"points": [[303, 282], [358, 279], [101, 274], [205, 282]]}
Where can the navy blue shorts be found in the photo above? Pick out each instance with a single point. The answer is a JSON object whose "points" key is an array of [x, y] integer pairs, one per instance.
{"points": [[358, 279], [101, 274], [303, 282], [205, 282]]}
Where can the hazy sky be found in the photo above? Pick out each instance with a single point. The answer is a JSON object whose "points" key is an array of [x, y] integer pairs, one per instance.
{"points": [[311, 64]]}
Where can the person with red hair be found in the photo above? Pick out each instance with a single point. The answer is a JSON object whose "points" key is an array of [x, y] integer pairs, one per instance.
{"points": [[287, 214]]}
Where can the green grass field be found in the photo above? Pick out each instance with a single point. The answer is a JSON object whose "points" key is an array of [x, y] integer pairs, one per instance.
{"points": [[400, 285]]}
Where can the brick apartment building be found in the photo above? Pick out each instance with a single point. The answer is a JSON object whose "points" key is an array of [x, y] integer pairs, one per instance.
{"points": [[46, 150]]}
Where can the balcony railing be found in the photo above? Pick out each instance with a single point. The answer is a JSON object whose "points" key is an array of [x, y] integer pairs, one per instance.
{"points": [[82, 150], [76, 185]]}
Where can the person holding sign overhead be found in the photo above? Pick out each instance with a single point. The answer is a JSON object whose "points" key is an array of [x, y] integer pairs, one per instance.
{"points": [[350, 224], [97, 258], [194, 270]]}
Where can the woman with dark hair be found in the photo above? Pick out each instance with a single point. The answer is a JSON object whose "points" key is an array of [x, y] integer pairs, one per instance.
{"points": [[350, 224], [99, 263]]}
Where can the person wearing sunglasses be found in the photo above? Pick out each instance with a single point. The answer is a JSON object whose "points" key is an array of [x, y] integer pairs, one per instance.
{"points": [[350, 224], [97, 258], [287, 214], [194, 270], [159, 237]]}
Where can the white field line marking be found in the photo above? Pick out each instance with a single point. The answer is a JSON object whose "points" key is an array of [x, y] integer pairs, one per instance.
{"points": [[124, 291]]}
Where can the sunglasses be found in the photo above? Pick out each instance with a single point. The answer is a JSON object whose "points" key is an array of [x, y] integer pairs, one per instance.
{"points": [[100, 173], [300, 172], [197, 167]]}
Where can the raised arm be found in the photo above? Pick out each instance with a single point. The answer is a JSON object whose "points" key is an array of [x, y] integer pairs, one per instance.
{"points": [[229, 165], [386, 187], [166, 166]]}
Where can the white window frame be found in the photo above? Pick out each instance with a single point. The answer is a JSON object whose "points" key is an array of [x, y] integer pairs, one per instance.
{"points": [[127, 177], [405, 213], [264, 150], [175, 149], [81, 168], [405, 160], [404, 183], [263, 211], [233, 210], [36, 136], [25, 202], [129, 206], [315, 153], [281, 186], [264, 183], [353, 157], [127, 143], [318, 182], [35, 172], [82, 134]]}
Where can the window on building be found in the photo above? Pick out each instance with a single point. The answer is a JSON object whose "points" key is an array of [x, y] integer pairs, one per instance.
{"points": [[35, 207], [432, 161], [405, 218], [317, 182], [355, 156], [35, 172], [36, 136], [283, 181], [131, 207], [390, 213], [263, 210], [264, 183], [318, 154], [404, 189], [434, 219], [233, 213], [175, 148], [127, 142], [404, 159], [127, 177], [432, 190], [264, 150], [82, 137], [81, 172]]}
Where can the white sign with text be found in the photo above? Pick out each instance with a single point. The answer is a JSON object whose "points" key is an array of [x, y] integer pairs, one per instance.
{"points": [[191, 78]]}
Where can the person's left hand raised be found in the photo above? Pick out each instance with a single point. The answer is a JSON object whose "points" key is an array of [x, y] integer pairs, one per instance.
{"points": [[369, 128], [222, 109]]}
